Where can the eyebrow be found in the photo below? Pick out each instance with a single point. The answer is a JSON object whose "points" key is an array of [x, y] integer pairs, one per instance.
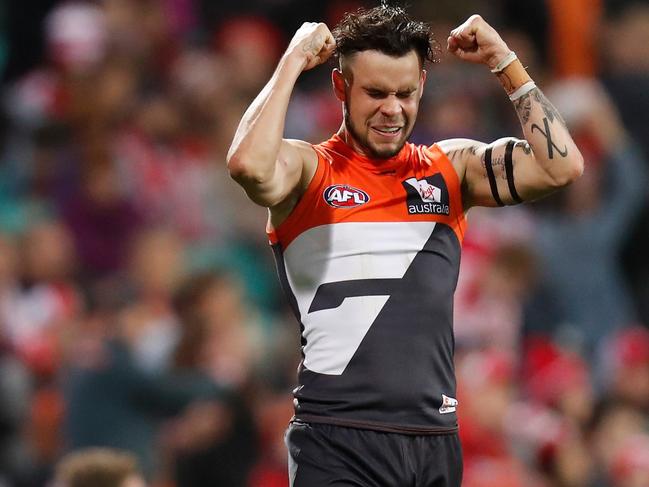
{"points": [[376, 89]]}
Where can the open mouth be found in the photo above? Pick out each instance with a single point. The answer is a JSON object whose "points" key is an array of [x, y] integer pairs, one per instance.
{"points": [[386, 131]]}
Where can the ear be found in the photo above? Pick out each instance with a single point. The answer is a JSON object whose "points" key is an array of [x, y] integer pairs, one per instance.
{"points": [[422, 80], [338, 82]]}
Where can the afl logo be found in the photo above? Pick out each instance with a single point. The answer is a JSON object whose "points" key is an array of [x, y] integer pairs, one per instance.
{"points": [[343, 196]]}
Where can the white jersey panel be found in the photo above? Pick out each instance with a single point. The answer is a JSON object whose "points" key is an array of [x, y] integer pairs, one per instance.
{"points": [[347, 252]]}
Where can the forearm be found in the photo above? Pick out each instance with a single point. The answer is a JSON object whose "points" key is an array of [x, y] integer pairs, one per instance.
{"points": [[543, 127], [257, 141]]}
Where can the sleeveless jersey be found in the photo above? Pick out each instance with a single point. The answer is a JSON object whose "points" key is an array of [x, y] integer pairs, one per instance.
{"points": [[369, 259]]}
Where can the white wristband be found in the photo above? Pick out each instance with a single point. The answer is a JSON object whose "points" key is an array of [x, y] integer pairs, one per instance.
{"points": [[522, 90], [510, 58]]}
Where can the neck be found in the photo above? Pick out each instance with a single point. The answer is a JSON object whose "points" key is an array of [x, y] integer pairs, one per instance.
{"points": [[346, 135]]}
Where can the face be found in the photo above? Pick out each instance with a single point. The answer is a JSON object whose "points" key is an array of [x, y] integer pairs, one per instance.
{"points": [[380, 96], [133, 481]]}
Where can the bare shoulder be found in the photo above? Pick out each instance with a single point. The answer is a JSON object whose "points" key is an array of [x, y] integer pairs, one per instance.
{"points": [[308, 157], [460, 151], [305, 152], [451, 146]]}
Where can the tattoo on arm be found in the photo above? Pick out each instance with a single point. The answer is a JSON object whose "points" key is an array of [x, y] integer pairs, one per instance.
{"points": [[523, 144], [550, 112], [548, 136], [473, 150], [523, 107], [509, 171]]}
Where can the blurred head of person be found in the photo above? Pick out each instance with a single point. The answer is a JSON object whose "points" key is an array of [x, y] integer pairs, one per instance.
{"points": [[139, 29], [451, 113], [486, 381], [159, 119], [630, 467], [251, 46], [216, 335], [511, 272], [98, 467], [559, 379], [76, 36], [613, 422], [200, 81], [148, 325], [628, 26], [626, 363], [156, 263], [109, 95], [47, 253]]}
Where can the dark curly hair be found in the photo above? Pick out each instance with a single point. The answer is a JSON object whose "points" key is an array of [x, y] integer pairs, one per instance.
{"points": [[388, 29]]}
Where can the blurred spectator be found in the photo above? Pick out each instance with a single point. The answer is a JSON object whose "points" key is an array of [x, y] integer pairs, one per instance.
{"points": [[113, 402], [115, 199], [580, 241], [625, 366], [102, 222], [626, 76], [273, 414], [98, 467], [631, 463], [558, 378], [490, 311], [42, 300], [615, 423], [486, 389], [156, 267], [218, 339], [252, 46]]}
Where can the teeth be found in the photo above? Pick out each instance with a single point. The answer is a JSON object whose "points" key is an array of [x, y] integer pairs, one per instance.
{"points": [[389, 130]]}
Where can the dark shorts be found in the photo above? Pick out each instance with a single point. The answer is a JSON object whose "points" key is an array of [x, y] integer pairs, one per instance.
{"points": [[325, 455]]}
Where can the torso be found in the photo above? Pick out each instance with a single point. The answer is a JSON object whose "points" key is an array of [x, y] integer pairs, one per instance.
{"points": [[369, 258]]}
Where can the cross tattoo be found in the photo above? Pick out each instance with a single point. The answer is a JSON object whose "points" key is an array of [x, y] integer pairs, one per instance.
{"points": [[548, 136]]}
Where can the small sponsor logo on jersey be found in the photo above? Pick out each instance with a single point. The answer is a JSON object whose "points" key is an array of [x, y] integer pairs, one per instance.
{"points": [[427, 196], [449, 405], [344, 196]]}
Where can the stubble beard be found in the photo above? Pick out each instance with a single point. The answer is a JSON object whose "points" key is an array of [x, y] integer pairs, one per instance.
{"points": [[364, 142]]}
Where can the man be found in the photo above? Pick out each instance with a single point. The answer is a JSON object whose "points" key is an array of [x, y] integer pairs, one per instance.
{"points": [[367, 229], [98, 467]]}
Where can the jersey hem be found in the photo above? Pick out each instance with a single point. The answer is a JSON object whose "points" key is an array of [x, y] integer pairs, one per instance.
{"points": [[371, 425]]}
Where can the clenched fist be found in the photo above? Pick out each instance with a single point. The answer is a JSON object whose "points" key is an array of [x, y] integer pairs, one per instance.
{"points": [[476, 41], [313, 44]]}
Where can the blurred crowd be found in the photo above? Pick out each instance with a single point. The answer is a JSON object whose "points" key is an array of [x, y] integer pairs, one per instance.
{"points": [[139, 307]]}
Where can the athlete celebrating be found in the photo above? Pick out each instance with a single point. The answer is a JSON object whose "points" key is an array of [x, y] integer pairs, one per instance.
{"points": [[367, 230]]}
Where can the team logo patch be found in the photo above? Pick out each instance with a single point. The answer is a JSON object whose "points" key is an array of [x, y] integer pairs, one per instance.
{"points": [[449, 405], [344, 196], [427, 196]]}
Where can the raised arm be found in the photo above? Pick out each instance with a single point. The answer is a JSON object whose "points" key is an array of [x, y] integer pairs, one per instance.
{"points": [[273, 170], [511, 170]]}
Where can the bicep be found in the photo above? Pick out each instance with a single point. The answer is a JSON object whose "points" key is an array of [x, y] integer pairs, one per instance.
{"points": [[295, 161], [504, 172]]}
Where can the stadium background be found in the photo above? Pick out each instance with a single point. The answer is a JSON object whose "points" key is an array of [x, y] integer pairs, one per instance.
{"points": [[139, 307]]}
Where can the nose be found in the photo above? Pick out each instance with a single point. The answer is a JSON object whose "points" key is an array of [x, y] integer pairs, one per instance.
{"points": [[391, 106]]}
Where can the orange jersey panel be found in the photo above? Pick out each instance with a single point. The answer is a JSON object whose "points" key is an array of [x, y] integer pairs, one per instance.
{"points": [[418, 184]]}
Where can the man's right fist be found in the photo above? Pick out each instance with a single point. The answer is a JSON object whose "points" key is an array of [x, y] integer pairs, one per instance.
{"points": [[313, 43]]}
